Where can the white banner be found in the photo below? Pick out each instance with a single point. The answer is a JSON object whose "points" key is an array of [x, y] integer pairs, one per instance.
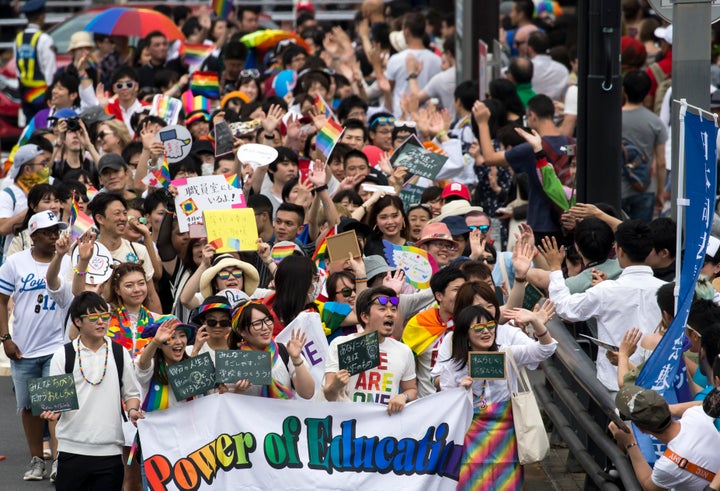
{"points": [[316, 348], [233, 441]]}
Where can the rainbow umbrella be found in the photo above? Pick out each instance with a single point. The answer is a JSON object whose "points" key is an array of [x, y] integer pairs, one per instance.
{"points": [[122, 21], [268, 38]]}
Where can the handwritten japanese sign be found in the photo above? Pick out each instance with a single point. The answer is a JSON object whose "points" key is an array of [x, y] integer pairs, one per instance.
{"points": [[192, 377], [231, 230], [418, 160], [360, 353], [234, 365], [488, 365], [198, 194], [52, 394]]}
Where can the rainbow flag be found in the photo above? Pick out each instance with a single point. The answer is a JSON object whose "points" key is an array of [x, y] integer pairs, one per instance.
{"points": [[320, 253], [91, 192], [328, 136], [167, 108], [332, 315], [222, 8], [324, 108], [192, 103], [280, 252], [79, 222], [35, 95], [205, 84], [163, 174], [195, 54], [422, 330]]}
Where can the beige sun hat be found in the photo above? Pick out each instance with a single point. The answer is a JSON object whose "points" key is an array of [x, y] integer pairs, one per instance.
{"points": [[81, 39], [251, 278], [458, 207]]}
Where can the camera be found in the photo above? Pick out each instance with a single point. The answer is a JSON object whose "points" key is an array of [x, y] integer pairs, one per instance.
{"points": [[73, 124]]}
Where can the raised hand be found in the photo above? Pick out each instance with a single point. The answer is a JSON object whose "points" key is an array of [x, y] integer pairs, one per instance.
{"points": [[86, 246], [481, 112], [165, 331], [553, 254], [629, 342], [395, 280], [62, 245], [534, 138], [318, 173], [522, 256], [272, 120], [296, 343]]}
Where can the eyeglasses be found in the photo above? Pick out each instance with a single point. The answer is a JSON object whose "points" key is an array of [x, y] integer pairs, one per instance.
{"points": [[215, 322], [262, 324], [480, 327], [482, 228], [441, 244], [102, 135], [250, 73], [105, 316], [384, 300], [382, 120], [347, 292], [405, 124], [124, 85], [224, 275]]}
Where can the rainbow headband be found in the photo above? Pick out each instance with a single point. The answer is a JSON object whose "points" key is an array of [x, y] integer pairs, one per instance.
{"points": [[213, 306], [238, 312]]}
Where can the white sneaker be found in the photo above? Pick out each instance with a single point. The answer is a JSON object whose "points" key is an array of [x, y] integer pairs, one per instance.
{"points": [[36, 470], [53, 470]]}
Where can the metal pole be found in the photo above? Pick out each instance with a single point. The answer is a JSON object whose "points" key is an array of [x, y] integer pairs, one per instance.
{"points": [[473, 20]]}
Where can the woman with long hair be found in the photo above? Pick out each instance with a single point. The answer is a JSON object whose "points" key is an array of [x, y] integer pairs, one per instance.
{"points": [[253, 330], [388, 221], [296, 287], [490, 445], [41, 197], [112, 137]]}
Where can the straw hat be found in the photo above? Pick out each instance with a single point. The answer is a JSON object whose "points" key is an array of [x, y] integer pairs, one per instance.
{"points": [[81, 39], [458, 207], [251, 278]]}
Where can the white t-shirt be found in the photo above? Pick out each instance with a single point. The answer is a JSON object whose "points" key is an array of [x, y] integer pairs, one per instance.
{"points": [[382, 383], [38, 326], [396, 72], [133, 253], [8, 208], [697, 442]]}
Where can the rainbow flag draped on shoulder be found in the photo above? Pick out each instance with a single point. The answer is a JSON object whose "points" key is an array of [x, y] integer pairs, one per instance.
{"points": [[422, 330]]}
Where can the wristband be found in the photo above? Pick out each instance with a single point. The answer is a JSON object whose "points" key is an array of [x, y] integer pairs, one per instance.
{"points": [[538, 336], [269, 261], [412, 76], [321, 188], [79, 273], [441, 134], [540, 154], [361, 280], [520, 279], [302, 360], [630, 445]]}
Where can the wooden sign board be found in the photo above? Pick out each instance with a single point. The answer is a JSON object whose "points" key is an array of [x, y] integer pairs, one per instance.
{"points": [[234, 365], [360, 353], [340, 246], [55, 393], [487, 365], [192, 377]]}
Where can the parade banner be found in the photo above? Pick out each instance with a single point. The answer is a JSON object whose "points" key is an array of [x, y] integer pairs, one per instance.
{"points": [[664, 371], [233, 441]]}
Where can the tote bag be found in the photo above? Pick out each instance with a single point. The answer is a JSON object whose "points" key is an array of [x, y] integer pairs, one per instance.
{"points": [[532, 439]]}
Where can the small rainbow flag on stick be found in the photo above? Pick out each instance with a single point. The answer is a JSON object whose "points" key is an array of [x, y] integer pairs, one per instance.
{"points": [[280, 252], [35, 95], [195, 54], [324, 108], [79, 222], [206, 84], [222, 8], [328, 136]]}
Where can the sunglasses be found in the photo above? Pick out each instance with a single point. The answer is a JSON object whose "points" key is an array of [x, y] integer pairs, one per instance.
{"points": [[250, 73], [384, 300], [405, 124], [215, 322], [480, 327], [441, 244], [124, 85], [258, 325], [347, 292], [224, 275], [482, 228], [102, 135], [105, 316], [382, 120]]}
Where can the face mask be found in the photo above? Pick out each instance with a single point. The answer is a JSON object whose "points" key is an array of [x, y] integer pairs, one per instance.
{"points": [[317, 289], [27, 181], [207, 169], [132, 173]]}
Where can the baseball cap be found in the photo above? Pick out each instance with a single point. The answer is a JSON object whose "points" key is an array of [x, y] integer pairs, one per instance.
{"points": [[664, 33], [25, 154], [111, 161], [646, 408], [456, 189], [456, 225], [64, 114], [45, 219], [94, 115]]}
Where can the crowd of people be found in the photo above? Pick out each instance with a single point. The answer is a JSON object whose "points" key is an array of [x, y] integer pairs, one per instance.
{"points": [[487, 223]]}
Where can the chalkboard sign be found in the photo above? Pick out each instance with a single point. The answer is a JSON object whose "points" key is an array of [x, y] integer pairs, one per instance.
{"points": [[488, 365], [223, 139], [360, 353], [192, 377], [234, 365], [52, 394], [418, 160], [532, 297]]}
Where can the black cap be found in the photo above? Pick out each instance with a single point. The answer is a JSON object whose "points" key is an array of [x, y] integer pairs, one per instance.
{"points": [[361, 229], [202, 146], [111, 161], [32, 6]]}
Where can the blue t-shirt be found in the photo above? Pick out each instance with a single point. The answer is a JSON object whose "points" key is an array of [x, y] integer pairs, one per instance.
{"points": [[540, 208]]}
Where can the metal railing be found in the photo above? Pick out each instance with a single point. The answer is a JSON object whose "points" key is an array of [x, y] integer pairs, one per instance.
{"points": [[580, 408]]}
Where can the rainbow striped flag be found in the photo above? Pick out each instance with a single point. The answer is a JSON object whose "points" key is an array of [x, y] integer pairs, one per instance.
{"points": [[91, 192], [422, 330], [79, 222], [205, 84], [324, 108], [195, 54], [320, 253], [222, 8], [280, 252], [328, 136], [35, 95], [163, 174], [167, 108]]}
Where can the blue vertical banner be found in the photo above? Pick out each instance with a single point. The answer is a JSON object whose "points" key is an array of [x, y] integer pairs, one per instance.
{"points": [[664, 371]]}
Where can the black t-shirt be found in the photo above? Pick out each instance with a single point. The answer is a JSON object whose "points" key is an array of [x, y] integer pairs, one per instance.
{"points": [[63, 172], [146, 73]]}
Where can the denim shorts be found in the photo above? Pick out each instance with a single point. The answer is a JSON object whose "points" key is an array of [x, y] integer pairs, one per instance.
{"points": [[22, 371]]}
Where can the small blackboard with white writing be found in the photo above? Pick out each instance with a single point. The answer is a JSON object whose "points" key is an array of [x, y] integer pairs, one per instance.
{"points": [[55, 393], [234, 365], [532, 297], [487, 365], [192, 377], [360, 353]]}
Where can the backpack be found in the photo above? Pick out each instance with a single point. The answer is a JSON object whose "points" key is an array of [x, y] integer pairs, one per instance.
{"points": [[3, 238], [560, 162], [663, 84], [636, 166], [117, 351]]}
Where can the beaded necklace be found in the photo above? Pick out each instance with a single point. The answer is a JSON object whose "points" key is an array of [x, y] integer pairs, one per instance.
{"points": [[483, 402], [102, 377]]}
